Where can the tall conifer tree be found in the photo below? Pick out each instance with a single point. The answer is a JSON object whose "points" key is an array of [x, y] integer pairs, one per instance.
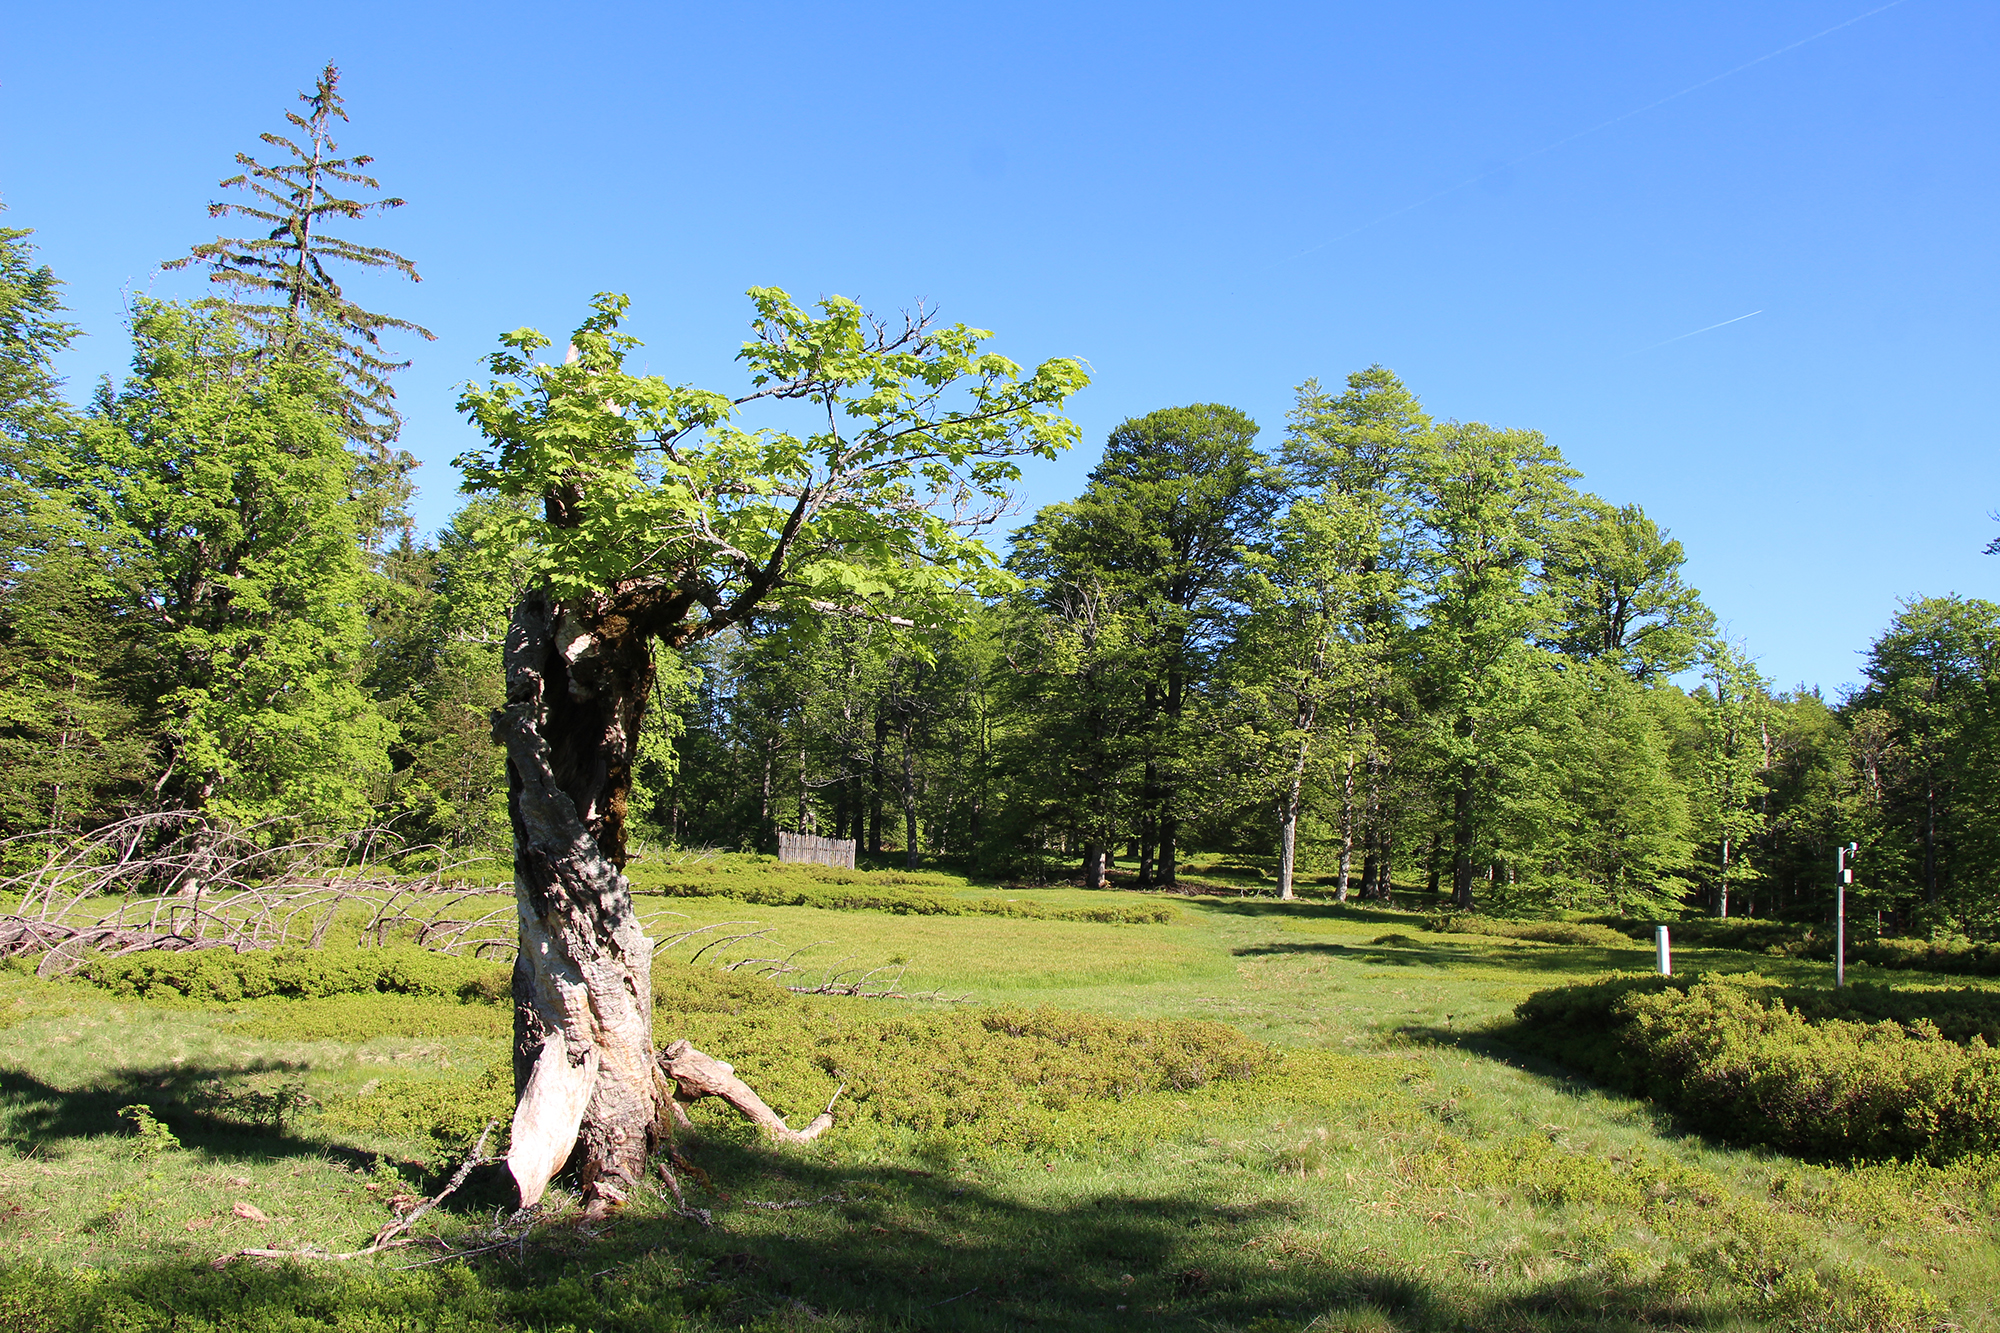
{"points": [[283, 292]]}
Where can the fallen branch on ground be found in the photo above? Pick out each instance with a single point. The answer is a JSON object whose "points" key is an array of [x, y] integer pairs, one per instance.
{"points": [[391, 1236], [696, 1075]]}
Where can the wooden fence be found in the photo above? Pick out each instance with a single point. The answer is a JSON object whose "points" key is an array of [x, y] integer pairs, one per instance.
{"points": [[818, 851]]}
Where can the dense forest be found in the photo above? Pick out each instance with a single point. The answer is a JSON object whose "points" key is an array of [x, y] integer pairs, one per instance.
{"points": [[1369, 646]]}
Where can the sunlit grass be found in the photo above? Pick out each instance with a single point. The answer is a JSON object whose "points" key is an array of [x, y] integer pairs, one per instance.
{"points": [[1438, 1181]]}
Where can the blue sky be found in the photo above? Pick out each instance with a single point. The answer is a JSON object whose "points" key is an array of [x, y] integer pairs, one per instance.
{"points": [[1207, 202]]}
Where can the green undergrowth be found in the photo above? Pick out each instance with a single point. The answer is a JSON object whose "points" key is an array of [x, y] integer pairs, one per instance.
{"points": [[1545, 932], [1869, 1073], [1962, 957], [224, 975], [771, 884], [1096, 1155], [1944, 953], [967, 1080], [954, 1082]]}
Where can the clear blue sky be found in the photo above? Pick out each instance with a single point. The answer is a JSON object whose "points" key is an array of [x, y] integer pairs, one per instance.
{"points": [[1208, 202]]}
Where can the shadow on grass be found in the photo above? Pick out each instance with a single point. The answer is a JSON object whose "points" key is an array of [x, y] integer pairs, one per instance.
{"points": [[1309, 910], [237, 1112], [1422, 953], [880, 1247]]}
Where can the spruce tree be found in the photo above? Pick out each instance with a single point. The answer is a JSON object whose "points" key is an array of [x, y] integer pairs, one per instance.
{"points": [[31, 333], [282, 291]]}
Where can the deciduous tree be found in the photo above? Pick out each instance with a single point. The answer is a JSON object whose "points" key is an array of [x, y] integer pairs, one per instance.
{"points": [[660, 519]]}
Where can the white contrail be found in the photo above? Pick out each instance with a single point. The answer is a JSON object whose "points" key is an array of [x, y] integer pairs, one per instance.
{"points": [[1582, 134], [1678, 336]]}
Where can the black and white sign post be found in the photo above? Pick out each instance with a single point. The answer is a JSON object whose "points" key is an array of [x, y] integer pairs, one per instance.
{"points": [[1843, 863]]}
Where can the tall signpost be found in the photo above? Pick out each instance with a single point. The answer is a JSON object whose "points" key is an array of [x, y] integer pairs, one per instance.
{"points": [[1843, 862]]}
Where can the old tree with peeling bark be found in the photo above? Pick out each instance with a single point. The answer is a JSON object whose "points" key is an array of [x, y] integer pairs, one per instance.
{"points": [[655, 515]]}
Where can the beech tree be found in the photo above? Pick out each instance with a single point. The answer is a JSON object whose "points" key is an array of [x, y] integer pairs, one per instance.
{"points": [[1616, 582], [658, 519], [1487, 500], [1178, 494], [1733, 706], [1299, 649], [1357, 451]]}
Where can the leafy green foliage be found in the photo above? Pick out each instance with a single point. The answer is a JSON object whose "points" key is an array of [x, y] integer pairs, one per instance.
{"points": [[1835, 1078], [1616, 580], [223, 975], [1546, 932], [640, 480], [988, 1078], [31, 333], [1140, 575], [150, 1137], [220, 477]]}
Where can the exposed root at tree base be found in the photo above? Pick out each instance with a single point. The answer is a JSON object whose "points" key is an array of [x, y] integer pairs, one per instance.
{"points": [[696, 1075]]}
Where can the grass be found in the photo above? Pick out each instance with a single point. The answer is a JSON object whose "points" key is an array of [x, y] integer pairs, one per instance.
{"points": [[1400, 1168]]}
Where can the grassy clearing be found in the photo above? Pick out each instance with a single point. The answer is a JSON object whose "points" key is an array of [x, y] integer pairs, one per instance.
{"points": [[1388, 1165]]}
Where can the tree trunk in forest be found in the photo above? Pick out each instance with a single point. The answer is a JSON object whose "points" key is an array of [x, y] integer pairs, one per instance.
{"points": [[1169, 868], [1375, 871], [1093, 866], [1346, 825], [1146, 879], [1385, 875], [875, 782], [1461, 845], [910, 854], [1722, 882], [1288, 837], [805, 820], [585, 1075], [1930, 843], [767, 821]]}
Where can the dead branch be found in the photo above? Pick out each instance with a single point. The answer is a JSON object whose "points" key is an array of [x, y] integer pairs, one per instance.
{"points": [[393, 1235], [182, 882], [701, 1215], [696, 1075]]}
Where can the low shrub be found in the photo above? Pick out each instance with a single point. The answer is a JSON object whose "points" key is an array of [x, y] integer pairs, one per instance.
{"points": [[1546, 932], [1953, 955], [1866, 1075], [442, 1116], [981, 1079], [1957, 956], [367, 1016], [224, 975], [1010, 1072], [1744, 934]]}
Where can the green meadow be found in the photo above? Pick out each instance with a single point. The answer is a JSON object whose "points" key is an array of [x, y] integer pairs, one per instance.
{"points": [[1251, 1114]]}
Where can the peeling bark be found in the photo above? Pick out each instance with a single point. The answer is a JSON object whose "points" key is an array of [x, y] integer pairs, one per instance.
{"points": [[589, 1085], [584, 1072]]}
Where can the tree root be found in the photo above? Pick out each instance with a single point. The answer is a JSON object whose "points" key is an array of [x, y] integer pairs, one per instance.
{"points": [[696, 1075]]}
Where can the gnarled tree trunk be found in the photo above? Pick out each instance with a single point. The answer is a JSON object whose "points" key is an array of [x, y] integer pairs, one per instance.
{"points": [[585, 1070]]}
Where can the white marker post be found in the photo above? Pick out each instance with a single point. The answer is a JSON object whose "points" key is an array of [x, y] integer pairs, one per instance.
{"points": [[1665, 949], [1843, 876]]}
